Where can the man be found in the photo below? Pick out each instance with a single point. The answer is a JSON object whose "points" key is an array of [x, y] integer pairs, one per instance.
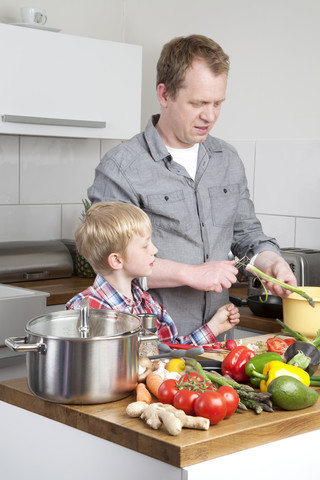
{"points": [[192, 186]]}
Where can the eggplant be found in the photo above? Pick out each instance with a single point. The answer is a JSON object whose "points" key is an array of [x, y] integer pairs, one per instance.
{"points": [[303, 355]]}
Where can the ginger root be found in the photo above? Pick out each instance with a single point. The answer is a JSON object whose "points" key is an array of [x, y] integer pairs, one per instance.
{"points": [[171, 418], [136, 409]]}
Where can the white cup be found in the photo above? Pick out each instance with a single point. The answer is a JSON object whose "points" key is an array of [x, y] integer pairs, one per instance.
{"points": [[33, 15]]}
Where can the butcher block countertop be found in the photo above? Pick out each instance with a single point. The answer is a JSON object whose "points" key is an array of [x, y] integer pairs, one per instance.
{"points": [[109, 421], [60, 289], [63, 289]]}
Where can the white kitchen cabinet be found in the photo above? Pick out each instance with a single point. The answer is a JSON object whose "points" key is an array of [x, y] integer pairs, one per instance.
{"points": [[62, 85]]}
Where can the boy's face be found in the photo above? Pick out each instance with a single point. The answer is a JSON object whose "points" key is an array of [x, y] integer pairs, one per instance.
{"points": [[139, 256]]}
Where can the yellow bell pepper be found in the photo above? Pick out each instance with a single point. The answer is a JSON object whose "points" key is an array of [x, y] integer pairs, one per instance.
{"points": [[276, 369], [176, 365]]}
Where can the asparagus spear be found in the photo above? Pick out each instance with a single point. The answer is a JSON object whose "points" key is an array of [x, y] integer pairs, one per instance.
{"points": [[241, 406], [256, 406], [258, 273], [216, 377]]}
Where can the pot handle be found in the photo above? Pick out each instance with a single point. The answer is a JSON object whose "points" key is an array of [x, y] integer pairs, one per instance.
{"points": [[18, 344], [148, 337], [237, 301]]}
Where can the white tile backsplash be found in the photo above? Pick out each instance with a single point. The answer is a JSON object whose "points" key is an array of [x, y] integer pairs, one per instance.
{"points": [[9, 169], [70, 220], [308, 233], [246, 151], [287, 178], [43, 180], [30, 222], [57, 170], [282, 228]]}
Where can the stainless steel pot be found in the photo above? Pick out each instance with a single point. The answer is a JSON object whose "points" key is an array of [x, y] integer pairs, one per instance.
{"points": [[82, 361]]}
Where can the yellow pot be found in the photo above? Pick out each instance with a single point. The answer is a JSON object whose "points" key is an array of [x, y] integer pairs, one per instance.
{"points": [[299, 315]]}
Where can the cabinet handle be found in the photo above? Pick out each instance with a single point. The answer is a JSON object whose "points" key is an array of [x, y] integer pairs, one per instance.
{"points": [[61, 122]]}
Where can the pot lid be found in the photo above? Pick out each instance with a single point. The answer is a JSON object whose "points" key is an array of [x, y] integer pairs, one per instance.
{"points": [[101, 324]]}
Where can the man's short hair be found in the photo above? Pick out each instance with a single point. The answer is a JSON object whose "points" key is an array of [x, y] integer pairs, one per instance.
{"points": [[177, 56]]}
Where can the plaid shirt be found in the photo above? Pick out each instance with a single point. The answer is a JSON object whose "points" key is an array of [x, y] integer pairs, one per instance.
{"points": [[102, 295]]}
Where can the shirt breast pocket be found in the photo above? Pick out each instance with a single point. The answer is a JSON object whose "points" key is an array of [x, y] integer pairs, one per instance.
{"points": [[169, 211], [224, 201]]}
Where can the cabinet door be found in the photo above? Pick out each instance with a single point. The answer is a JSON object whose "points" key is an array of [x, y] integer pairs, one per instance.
{"points": [[54, 84]]}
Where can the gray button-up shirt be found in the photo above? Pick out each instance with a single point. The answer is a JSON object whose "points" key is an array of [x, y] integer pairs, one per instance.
{"points": [[193, 221]]}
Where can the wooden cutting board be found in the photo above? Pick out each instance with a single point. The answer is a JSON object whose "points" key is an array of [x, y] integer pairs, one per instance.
{"points": [[258, 340], [258, 343]]}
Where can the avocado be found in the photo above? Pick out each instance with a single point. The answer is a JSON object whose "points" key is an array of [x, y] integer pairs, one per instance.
{"points": [[291, 394]]}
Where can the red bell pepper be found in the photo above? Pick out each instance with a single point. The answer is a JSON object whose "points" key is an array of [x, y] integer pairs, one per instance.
{"points": [[235, 362]]}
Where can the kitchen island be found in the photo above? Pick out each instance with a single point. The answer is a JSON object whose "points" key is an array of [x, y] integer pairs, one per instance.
{"points": [[102, 438]]}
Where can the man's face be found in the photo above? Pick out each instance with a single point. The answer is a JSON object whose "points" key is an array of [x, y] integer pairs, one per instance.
{"points": [[189, 117]]}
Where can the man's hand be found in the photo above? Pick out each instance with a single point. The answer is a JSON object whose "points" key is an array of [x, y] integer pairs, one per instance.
{"points": [[275, 266], [212, 276]]}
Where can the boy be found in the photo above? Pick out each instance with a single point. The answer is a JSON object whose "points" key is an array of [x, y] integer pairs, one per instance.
{"points": [[115, 238]]}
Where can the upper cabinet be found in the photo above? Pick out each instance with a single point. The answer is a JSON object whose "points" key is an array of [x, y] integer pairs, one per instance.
{"points": [[61, 85]]}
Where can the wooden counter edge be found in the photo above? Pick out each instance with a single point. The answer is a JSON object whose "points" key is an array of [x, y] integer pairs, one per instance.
{"points": [[189, 448]]}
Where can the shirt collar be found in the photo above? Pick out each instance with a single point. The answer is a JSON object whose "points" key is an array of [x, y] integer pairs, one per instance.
{"points": [[157, 147], [108, 292]]}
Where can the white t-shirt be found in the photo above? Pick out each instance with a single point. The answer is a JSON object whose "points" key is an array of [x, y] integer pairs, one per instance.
{"points": [[187, 157]]}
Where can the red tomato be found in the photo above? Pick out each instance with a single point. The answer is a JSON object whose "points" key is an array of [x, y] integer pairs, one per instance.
{"points": [[231, 397], [184, 400], [211, 405], [210, 386], [276, 345], [190, 376], [167, 391], [289, 341], [231, 344]]}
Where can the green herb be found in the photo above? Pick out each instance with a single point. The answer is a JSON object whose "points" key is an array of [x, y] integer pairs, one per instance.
{"points": [[258, 273]]}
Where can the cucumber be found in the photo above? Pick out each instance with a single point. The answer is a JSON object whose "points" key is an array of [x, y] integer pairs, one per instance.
{"points": [[291, 394]]}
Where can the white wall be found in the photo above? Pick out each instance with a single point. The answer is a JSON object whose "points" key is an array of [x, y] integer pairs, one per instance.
{"points": [[272, 111], [274, 52], [102, 19]]}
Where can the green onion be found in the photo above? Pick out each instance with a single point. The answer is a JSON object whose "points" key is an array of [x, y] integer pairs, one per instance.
{"points": [[260, 275], [297, 335]]}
